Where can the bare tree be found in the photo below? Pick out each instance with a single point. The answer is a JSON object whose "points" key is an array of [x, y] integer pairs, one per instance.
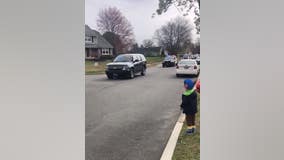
{"points": [[115, 41], [175, 36], [148, 43], [184, 7], [112, 20]]}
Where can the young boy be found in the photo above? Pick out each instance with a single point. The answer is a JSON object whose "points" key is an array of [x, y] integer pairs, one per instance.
{"points": [[189, 105]]}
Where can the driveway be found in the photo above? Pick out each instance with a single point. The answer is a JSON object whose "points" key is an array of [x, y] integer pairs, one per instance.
{"points": [[131, 119]]}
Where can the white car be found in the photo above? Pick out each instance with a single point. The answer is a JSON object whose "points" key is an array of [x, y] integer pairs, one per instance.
{"points": [[187, 67]]}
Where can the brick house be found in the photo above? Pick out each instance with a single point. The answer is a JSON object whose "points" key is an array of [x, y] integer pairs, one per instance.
{"points": [[96, 46]]}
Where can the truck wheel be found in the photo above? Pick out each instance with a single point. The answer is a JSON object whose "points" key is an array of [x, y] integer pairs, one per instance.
{"points": [[109, 76], [143, 72], [131, 76]]}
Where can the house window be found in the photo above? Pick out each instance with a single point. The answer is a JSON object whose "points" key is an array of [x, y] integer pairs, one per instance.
{"points": [[105, 51], [88, 39], [94, 39], [91, 39]]}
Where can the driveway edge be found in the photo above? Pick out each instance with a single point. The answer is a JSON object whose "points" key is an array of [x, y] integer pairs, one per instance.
{"points": [[171, 145]]}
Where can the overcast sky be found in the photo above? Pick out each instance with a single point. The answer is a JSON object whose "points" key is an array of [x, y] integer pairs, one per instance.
{"points": [[138, 12]]}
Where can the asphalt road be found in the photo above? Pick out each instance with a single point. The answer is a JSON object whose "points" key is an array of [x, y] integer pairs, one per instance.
{"points": [[131, 119]]}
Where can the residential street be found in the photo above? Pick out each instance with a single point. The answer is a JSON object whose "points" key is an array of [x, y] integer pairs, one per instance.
{"points": [[131, 119]]}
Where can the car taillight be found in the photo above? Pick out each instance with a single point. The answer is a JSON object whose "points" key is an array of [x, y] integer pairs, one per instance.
{"points": [[195, 67]]}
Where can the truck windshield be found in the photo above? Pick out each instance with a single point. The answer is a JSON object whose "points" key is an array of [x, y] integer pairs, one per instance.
{"points": [[123, 58], [168, 58]]}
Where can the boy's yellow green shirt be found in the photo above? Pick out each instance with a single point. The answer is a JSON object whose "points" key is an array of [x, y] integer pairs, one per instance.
{"points": [[188, 92]]}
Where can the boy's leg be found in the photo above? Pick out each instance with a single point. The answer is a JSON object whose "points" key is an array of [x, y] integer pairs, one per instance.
{"points": [[193, 123], [190, 120]]}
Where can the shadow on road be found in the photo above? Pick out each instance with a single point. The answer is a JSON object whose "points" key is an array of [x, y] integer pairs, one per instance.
{"points": [[104, 78]]}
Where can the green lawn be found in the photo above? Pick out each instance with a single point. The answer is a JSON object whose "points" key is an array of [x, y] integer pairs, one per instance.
{"points": [[154, 60], [91, 69], [188, 146]]}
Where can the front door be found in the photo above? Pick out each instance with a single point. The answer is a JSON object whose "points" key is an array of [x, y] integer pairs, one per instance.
{"points": [[137, 64], [87, 53]]}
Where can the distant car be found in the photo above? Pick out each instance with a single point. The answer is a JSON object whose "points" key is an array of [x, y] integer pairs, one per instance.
{"points": [[169, 61], [187, 67], [127, 65], [186, 56]]}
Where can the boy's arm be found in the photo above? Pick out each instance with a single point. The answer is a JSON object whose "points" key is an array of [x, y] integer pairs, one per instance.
{"points": [[195, 100], [182, 104]]}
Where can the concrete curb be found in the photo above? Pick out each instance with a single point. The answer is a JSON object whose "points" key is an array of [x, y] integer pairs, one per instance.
{"points": [[171, 145]]}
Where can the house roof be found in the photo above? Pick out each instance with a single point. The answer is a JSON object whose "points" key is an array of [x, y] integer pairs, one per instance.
{"points": [[101, 41]]}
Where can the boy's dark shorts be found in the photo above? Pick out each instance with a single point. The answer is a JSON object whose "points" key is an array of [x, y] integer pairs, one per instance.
{"points": [[190, 112]]}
